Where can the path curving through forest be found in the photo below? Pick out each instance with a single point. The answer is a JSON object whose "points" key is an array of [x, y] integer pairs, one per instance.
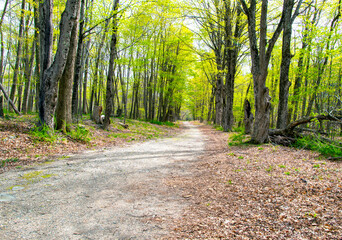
{"points": [[109, 194]]}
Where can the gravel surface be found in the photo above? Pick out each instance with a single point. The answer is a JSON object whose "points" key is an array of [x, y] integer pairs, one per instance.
{"points": [[110, 194]]}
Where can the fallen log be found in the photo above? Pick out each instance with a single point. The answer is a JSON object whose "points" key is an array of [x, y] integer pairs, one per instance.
{"points": [[123, 125], [289, 130], [288, 135], [9, 100]]}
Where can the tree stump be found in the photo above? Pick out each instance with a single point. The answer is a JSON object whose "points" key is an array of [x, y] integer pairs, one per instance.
{"points": [[97, 114]]}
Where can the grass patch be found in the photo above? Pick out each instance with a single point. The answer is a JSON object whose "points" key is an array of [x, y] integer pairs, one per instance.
{"points": [[80, 133], [237, 139], [43, 134], [333, 149]]}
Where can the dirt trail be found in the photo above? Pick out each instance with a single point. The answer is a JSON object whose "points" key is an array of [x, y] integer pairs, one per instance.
{"points": [[110, 194]]}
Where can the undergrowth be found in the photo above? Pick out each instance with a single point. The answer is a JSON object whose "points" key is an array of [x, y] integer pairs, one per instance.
{"points": [[237, 139], [43, 134], [167, 123], [9, 160], [325, 148], [80, 133]]}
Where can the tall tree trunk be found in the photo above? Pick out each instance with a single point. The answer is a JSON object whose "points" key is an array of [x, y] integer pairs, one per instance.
{"points": [[231, 58], [85, 80], [51, 76], [110, 78], [93, 97], [38, 49], [63, 111], [45, 46], [78, 64], [27, 76], [284, 83], [260, 60], [19, 50]]}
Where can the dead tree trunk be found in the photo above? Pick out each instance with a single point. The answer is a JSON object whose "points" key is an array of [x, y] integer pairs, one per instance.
{"points": [[8, 99]]}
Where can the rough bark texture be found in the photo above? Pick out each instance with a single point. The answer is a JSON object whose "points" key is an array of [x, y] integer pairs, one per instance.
{"points": [[51, 77], [248, 117], [63, 111], [78, 64], [110, 77], [284, 83], [260, 59], [231, 59], [37, 46], [1, 106], [45, 53]]}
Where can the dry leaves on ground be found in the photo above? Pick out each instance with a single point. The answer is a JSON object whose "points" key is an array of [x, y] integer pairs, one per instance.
{"points": [[18, 147], [259, 192]]}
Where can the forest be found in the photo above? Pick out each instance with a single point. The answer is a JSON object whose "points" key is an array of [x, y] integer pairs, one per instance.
{"points": [[257, 65]]}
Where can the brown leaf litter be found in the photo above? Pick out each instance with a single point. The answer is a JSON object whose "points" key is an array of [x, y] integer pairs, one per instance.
{"points": [[259, 192]]}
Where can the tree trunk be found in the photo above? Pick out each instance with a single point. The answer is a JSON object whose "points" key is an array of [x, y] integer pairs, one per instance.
{"points": [[51, 76], [231, 57], [260, 59], [248, 117], [1, 106], [37, 46], [85, 80], [78, 64], [63, 110], [27, 76], [93, 97], [19, 50], [284, 83], [110, 77]]}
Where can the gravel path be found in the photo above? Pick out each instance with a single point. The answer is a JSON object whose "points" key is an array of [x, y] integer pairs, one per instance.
{"points": [[110, 194]]}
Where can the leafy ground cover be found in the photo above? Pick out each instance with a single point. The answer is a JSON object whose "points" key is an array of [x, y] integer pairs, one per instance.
{"points": [[259, 192], [22, 143]]}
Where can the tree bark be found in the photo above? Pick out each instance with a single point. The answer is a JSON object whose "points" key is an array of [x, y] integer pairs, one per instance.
{"points": [[63, 111], [284, 83], [1, 106], [260, 57], [51, 76], [231, 60], [110, 78], [27, 76], [78, 64]]}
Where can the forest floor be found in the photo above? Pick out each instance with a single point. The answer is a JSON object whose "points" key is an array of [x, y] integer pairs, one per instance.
{"points": [[259, 192], [190, 186], [21, 144]]}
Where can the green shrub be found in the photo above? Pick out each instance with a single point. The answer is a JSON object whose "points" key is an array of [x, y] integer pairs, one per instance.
{"points": [[218, 127], [237, 139], [80, 133], [239, 129], [44, 134]]}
